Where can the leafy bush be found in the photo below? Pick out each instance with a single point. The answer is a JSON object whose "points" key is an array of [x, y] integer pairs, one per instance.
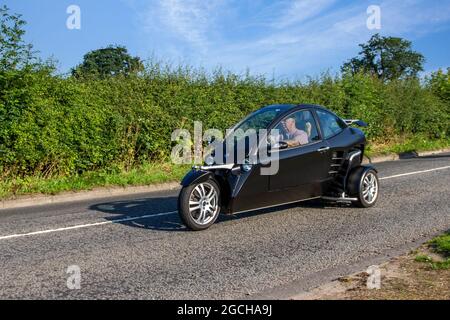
{"points": [[52, 125]]}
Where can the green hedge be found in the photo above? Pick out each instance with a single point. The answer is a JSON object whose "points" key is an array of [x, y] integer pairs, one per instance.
{"points": [[51, 125]]}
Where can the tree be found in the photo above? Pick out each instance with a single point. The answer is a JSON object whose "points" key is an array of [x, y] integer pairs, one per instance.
{"points": [[14, 52], [106, 62], [387, 58], [439, 82]]}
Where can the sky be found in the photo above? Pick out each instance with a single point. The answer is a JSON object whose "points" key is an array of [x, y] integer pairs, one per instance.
{"points": [[285, 39]]}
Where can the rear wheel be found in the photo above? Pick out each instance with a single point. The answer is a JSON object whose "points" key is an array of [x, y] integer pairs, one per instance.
{"points": [[199, 205], [364, 182]]}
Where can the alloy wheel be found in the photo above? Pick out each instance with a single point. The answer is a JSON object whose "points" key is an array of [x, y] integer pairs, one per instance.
{"points": [[203, 203], [370, 188]]}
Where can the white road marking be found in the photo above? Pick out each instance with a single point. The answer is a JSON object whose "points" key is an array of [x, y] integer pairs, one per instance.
{"points": [[415, 172], [86, 225], [19, 235]]}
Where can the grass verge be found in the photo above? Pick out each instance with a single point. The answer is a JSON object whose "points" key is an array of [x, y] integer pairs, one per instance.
{"points": [[423, 274], [147, 174], [153, 173], [441, 246], [406, 144]]}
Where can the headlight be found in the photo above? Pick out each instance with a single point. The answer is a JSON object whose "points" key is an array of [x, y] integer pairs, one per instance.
{"points": [[209, 160], [246, 166]]}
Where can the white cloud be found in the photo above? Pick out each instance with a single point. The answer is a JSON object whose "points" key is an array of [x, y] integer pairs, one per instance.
{"points": [[413, 16], [286, 37], [301, 10], [188, 20]]}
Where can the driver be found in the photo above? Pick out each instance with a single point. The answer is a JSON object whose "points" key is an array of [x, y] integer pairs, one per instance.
{"points": [[295, 136]]}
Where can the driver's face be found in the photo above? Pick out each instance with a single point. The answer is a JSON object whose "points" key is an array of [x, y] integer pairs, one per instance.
{"points": [[290, 124]]}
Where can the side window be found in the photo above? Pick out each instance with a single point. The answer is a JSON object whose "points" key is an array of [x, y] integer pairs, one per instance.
{"points": [[330, 124], [297, 129]]}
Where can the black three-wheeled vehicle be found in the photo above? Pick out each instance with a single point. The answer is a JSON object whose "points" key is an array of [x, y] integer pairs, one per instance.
{"points": [[319, 156]]}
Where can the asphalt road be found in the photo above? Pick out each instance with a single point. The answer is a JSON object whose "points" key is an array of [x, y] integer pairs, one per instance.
{"points": [[135, 247]]}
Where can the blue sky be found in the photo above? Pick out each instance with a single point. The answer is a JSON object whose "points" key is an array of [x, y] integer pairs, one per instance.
{"points": [[285, 39]]}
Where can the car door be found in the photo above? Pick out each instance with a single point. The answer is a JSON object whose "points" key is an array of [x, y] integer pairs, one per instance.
{"points": [[303, 166], [338, 137]]}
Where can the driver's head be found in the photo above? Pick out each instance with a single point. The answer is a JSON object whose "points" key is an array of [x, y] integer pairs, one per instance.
{"points": [[290, 124]]}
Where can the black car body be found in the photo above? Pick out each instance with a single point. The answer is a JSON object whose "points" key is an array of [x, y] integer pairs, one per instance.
{"points": [[328, 166]]}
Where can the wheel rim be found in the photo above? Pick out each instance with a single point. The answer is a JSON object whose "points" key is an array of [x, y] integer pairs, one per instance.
{"points": [[370, 188], [203, 203]]}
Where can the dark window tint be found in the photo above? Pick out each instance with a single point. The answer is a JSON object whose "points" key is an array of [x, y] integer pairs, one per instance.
{"points": [[259, 120], [330, 124]]}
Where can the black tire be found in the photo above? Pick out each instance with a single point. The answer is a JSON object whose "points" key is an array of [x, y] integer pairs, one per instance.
{"points": [[187, 216], [363, 182]]}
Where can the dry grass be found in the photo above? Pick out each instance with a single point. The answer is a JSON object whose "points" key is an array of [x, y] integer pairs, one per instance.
{"points": [[408, 277]]}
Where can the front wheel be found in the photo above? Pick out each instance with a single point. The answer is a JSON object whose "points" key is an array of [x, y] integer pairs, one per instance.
{"points": [[199, 205]]}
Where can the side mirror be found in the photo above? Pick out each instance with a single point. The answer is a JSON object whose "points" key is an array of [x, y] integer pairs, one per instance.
{"points": [[359, 123]]}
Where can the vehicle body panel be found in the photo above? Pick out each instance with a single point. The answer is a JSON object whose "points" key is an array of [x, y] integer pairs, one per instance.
{"points": [[195, 176], [305, 172]]}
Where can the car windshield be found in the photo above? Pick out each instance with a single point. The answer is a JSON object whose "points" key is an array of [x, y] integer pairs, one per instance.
{"points": [[256, 121], [249, 128]]}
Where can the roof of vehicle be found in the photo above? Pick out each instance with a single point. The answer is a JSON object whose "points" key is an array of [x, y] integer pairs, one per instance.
{"points": [[286, 107]]}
